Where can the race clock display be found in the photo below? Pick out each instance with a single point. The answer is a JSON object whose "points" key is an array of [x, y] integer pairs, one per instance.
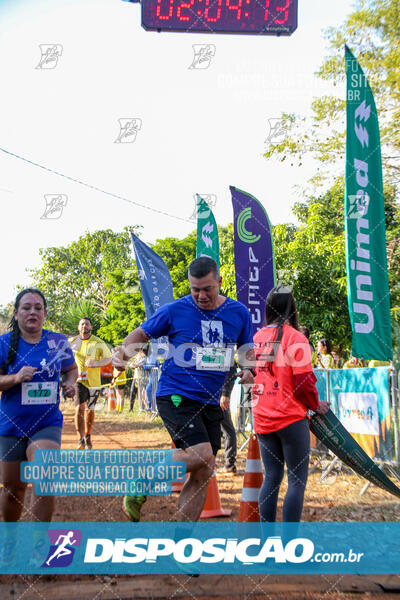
{"points": [[268, 17]]}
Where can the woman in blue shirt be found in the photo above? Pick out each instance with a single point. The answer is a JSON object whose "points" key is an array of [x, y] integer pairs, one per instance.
{"points": [[31, 361]]}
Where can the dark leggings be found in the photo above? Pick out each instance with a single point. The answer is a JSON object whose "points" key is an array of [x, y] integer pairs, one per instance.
{"points": [[290, 445]]}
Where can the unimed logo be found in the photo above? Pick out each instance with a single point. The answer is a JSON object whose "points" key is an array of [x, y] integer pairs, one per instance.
{"points": [[62, 542], [190, 550]]}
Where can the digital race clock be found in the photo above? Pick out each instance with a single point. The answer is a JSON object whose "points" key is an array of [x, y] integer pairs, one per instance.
{"points": [[273, 17]]}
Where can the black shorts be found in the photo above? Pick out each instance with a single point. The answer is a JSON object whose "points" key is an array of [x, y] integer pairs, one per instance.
{"points": [[88, 395], [191, 422]]}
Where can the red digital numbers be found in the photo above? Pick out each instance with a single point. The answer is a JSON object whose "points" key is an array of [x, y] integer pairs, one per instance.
{"points": [[237, 7], [182, 6], [266, 14], [170, 10], [286, 11], [207, 11], [240, 15], [284, 8]]}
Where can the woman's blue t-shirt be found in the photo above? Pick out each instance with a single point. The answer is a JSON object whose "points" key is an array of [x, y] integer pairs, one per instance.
{"points": [[28, 407], [198, 337]]}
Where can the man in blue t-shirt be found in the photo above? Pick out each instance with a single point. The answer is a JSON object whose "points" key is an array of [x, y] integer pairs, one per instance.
{"points": [[202, 328]]}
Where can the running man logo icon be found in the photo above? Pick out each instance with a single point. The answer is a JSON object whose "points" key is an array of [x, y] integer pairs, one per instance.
{"points": [[128, 129], [50, 53], [55, 204], [61, 552], [202, 210], [203, 54], [357, 205], [213, 333], [276, 132]]}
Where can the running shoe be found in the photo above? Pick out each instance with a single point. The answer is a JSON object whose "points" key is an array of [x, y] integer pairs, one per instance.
{"points": [[132, 506], [81, 444], [88, 442]]}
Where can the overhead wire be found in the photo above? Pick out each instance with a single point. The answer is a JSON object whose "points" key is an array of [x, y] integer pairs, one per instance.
{"points": [[93, 187]]}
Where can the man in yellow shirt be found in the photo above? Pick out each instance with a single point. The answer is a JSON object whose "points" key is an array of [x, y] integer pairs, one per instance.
{"points": [[91, 353]]}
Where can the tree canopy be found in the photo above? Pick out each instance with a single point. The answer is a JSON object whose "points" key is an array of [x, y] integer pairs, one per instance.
{"points": [[372, 32]]}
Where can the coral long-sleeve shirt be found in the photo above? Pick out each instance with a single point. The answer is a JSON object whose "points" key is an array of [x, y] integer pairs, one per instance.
{"points": [[285, 387]]}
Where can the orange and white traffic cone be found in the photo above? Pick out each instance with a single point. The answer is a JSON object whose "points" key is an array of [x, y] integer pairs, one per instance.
{"points": [[212, 506], [176, 485], [111, 399], [252, 482]]}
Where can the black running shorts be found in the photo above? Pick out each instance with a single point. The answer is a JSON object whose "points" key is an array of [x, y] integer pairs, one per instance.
{"points": [[191, 422], [88, 395]]}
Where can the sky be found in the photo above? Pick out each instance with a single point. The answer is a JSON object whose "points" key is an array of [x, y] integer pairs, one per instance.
{"points": [[198, 130]]}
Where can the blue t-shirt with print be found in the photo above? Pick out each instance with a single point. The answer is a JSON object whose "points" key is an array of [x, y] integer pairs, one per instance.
{"points": [[197, 339], [28, 407]]}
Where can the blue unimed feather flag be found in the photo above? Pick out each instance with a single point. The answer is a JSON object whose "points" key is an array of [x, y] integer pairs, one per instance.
{"points": [[254, 254], [154, 277]]}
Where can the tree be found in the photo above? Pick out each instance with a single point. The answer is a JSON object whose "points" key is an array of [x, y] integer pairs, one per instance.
{"points": [[80, 271], [372, 32], [6, 313], [312, 258], [74, 313], [227, 260], [126, 310]]}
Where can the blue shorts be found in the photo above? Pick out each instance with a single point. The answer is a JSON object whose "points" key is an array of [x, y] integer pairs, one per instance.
{"points": [[13, 448]]}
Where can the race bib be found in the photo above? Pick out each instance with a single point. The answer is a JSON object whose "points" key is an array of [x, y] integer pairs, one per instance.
{"points": [[39, 392], [213, 359], [83, 376]]}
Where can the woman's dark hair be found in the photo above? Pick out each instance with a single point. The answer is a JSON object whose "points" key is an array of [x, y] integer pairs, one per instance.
{"points": [[281, 307], [13, 325], [327, 344]]}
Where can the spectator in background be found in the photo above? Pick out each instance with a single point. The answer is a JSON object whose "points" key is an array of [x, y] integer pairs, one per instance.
{"points": [[119, 379], [227, 427], [106, 374], [137, 363], [336, 359], [324, 355], [353, 363], [151, 366], [285, 390]]}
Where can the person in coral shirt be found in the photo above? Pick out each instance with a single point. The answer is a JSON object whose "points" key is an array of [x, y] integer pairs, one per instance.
{"points": [[285, 390]]}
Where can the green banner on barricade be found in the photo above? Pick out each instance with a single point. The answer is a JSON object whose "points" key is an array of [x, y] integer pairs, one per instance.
{"points": [[361, 401], [331, 432]]}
